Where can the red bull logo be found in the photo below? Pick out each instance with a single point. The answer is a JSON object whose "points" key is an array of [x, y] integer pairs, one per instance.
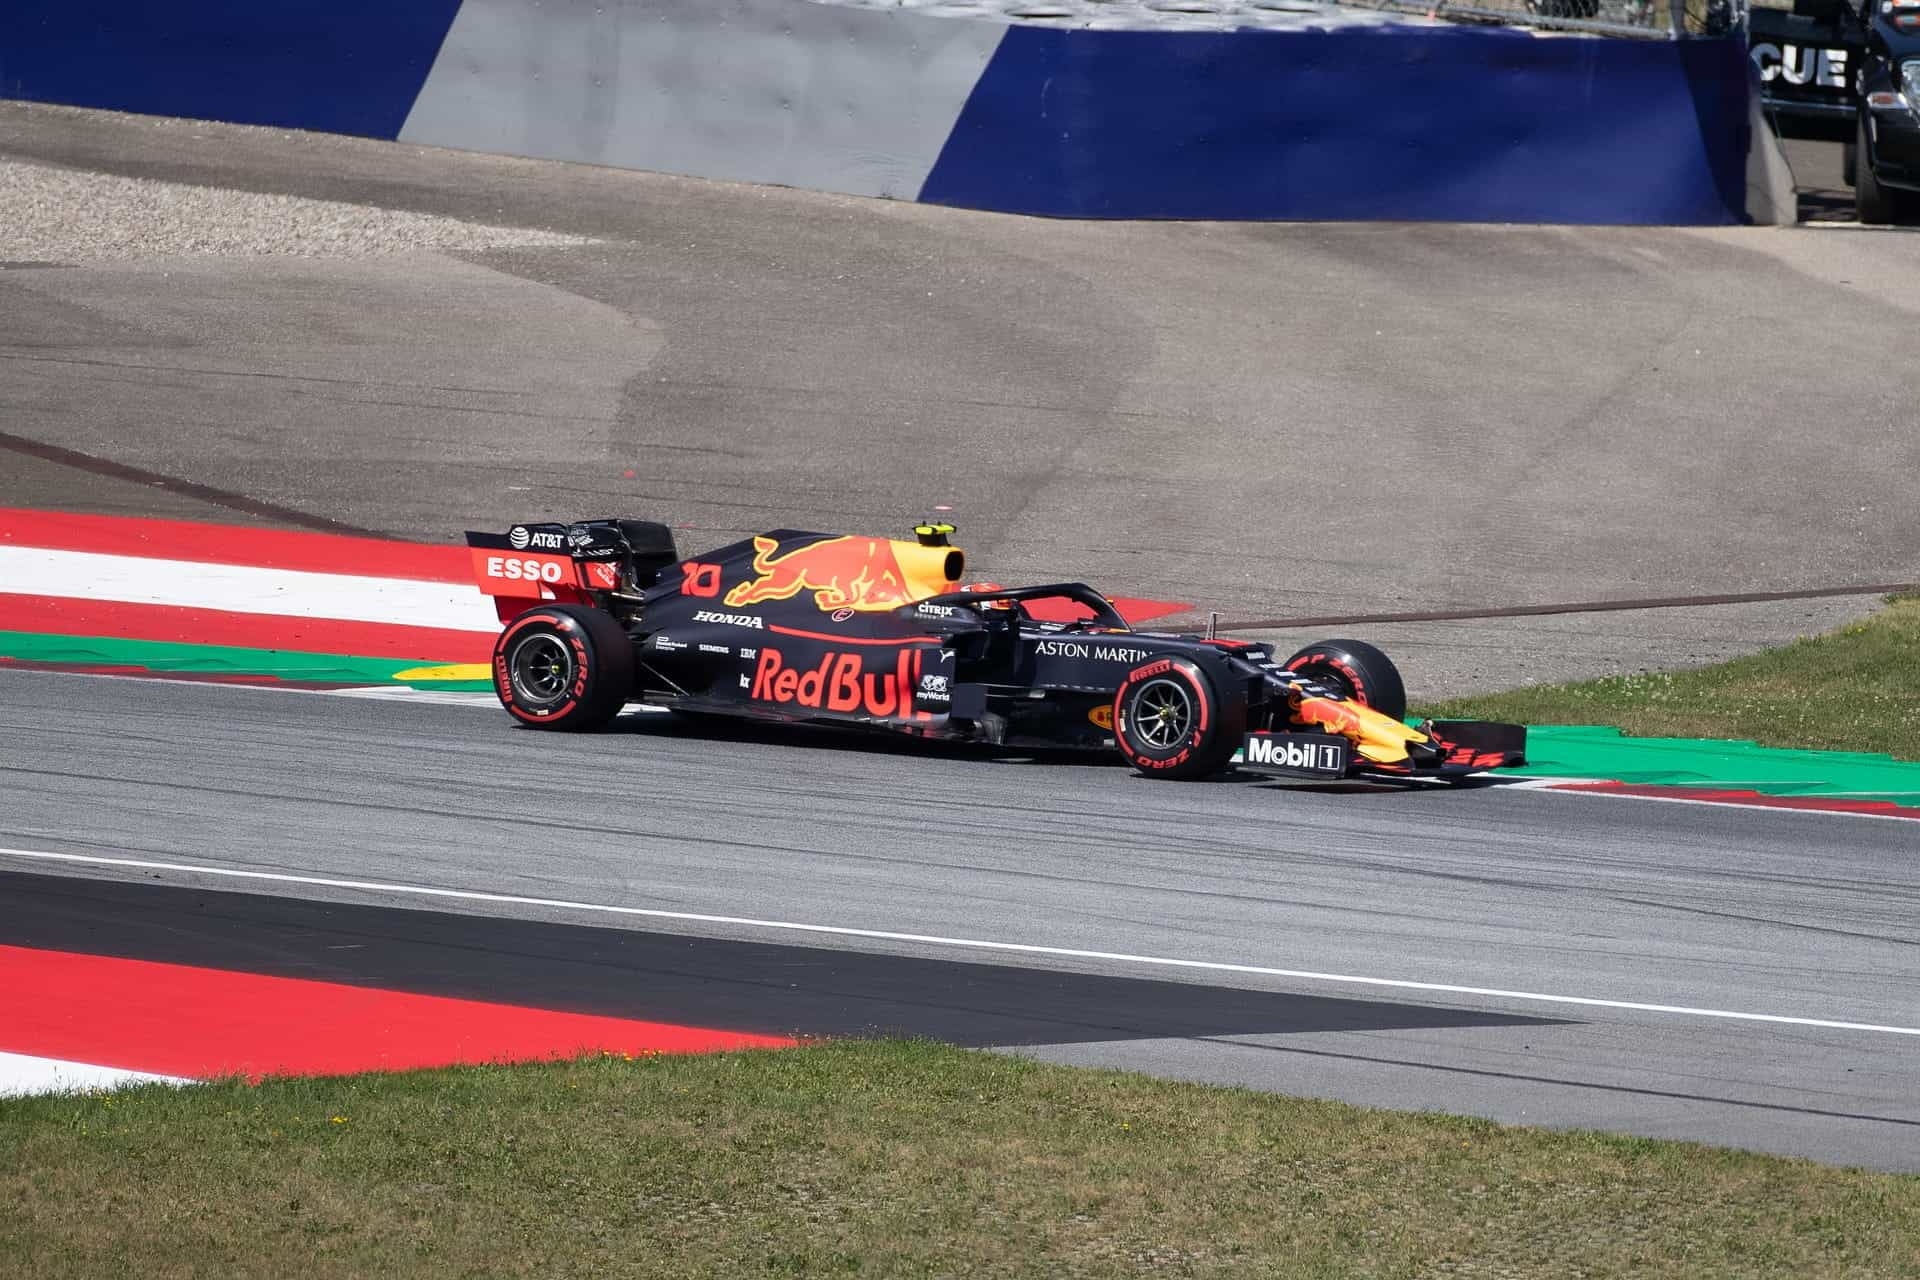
{"points": [[840, 683], [1334, 717], [1379, 738], [865, 574]]}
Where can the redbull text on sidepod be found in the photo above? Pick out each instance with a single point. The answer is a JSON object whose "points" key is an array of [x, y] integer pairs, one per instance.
{"points": [[840, 682]]}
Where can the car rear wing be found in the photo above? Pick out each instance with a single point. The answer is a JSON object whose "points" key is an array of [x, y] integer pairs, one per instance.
{"points": [[569, 563], [517, 576]]}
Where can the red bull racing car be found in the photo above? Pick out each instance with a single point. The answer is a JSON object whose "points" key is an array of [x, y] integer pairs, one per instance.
{"points": [[882, 633]]}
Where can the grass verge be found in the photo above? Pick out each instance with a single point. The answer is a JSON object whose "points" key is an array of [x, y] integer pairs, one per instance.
{"points": [[1855, 689], [884, 1158]]}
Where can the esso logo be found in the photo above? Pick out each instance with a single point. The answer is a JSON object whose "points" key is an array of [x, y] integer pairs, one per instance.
{"points": [[528, 570]]}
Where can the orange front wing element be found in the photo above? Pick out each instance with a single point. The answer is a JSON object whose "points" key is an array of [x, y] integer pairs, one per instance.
{"points": [[1378, 738]]}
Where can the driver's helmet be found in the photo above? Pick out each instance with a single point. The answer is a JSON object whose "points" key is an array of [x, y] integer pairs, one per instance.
{"points": [[989, 586]]}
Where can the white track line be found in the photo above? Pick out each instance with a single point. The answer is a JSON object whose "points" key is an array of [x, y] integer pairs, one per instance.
{"points": [[1574, 787], [935, 940], [402, 693], [365, 692], [22, 1073], [235, 588]]}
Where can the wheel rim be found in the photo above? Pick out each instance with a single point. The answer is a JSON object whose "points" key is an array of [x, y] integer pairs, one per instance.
{"points": [[541, 668], [1162, 713]]}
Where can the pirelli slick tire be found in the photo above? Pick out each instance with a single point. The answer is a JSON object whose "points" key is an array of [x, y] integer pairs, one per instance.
{"points": [[1358, 670], [1172, 718], [563, 667]]}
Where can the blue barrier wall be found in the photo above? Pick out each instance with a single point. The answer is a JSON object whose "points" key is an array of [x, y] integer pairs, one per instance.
{"points": [[1404, 122], [1408, 123], [338, 66]]}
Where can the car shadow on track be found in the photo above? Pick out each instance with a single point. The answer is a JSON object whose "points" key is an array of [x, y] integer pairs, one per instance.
{"points": [[718, 728]]}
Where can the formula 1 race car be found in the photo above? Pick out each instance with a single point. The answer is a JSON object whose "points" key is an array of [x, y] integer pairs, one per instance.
{"points": [[881, 633]]}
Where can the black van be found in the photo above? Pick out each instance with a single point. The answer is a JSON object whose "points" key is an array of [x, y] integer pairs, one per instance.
{"points": [[1849, 71]]}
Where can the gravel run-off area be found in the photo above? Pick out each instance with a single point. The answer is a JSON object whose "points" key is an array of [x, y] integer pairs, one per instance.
{"points": [[49, 214]]}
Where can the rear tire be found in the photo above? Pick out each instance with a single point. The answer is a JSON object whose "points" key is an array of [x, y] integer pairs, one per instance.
{"points": [[1172, 719], [1876, 205], [563, 667], [1360, 671]]}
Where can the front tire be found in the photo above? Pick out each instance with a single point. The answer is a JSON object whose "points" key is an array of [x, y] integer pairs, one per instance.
{"points": [[563, 667], [1172, 720], [1359, 671], [1876, 205]]}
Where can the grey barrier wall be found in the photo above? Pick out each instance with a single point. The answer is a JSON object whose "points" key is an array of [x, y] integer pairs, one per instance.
{"points": [[777, 91], [1315, 118]]}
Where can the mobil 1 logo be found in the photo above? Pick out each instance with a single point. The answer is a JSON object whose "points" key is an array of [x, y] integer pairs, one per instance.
{"points": [[1309, 755]]}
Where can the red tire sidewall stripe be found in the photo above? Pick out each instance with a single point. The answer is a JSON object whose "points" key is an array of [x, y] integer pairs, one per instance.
{"points": [[503, 682], [1347, 673], [1202, 708]]}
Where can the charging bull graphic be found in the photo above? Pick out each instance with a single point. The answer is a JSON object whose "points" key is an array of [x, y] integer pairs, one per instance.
{"points": [[1378, 738], [866, 574]]}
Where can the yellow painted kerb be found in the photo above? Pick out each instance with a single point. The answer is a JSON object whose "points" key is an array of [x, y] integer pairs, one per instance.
{"points": [[453, 671]]}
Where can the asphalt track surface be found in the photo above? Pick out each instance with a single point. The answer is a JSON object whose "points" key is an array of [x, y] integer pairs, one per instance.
{"points": [[1781, 915], [1272, 420]]}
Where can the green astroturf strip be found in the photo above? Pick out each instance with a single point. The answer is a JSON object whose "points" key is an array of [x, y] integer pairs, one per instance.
{"points": [[1591, 751], [212, 659]]}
